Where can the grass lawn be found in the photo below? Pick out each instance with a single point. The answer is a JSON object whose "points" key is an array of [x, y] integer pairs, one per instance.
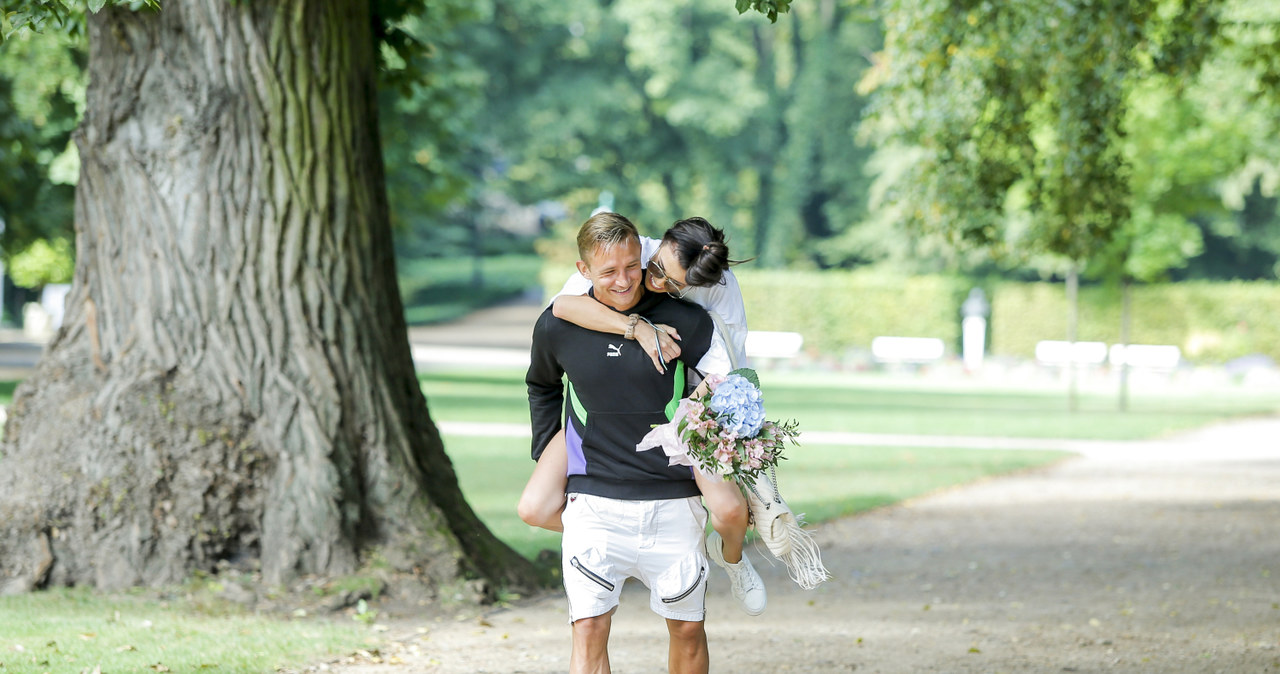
{"points": [[74, 630], [827, 481], [821, 481], [870, 404]]}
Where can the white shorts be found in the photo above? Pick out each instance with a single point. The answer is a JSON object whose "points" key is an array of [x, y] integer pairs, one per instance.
{"points": [[607, 541]]}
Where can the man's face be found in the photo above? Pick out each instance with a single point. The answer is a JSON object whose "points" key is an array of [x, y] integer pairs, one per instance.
{"points": [[615, 274]]}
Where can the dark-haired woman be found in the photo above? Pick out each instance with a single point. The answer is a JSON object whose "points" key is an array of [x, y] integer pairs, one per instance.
{"points": [[690, 262]]}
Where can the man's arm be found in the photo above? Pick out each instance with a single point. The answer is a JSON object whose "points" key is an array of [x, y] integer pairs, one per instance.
{"points": [[545, 385]]}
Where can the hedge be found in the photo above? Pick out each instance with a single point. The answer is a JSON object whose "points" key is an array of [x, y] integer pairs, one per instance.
{"points": [[841, 310], [1210, 322]]}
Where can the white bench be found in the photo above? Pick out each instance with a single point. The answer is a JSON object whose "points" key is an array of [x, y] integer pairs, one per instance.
{"points": [[768, 344], [1057, 352], [907, 349], [1146, 356]]}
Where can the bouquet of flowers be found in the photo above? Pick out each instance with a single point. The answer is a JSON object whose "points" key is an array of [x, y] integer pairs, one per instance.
{"points": [[724, 432]]}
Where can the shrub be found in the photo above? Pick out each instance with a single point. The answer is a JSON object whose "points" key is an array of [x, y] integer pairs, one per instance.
{"points": [[1211, 322], [42, 263], [841, 310]]}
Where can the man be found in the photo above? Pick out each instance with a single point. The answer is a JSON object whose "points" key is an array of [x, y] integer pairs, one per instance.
{"points": [[629, 514]]}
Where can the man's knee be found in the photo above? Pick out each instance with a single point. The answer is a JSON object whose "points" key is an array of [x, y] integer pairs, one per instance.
{"points": [[687, 632], [593, 629]]}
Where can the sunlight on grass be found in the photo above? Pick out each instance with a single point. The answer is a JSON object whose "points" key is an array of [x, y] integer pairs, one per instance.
{"points": [[821, 481], [877, 404], [829, 481], [70, 630], [825, 482]]}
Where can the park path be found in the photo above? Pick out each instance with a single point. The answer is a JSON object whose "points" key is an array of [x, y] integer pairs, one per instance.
{"points": [[1153, 557]]}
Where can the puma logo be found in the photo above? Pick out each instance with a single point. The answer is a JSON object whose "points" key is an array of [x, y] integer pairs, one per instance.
{"points": [[615, 351]]}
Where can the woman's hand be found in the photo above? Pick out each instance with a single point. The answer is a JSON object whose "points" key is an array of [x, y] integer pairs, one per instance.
{"points": [[664, 340]]}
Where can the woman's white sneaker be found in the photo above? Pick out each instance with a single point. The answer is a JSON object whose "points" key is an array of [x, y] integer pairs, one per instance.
{"points": [[746, 584]]}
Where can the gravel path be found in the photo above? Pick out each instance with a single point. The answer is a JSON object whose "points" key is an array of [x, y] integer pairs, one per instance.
{"points": [[1157, 557]]}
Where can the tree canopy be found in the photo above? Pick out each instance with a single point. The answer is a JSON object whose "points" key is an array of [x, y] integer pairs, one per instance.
{"points": [[1077, 129], [996, 130]]}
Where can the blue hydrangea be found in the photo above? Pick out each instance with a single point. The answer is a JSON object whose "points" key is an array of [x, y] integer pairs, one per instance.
{"points": [[738, 406]]}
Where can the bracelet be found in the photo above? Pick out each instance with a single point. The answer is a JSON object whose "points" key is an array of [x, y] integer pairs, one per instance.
{"points": [[631, 326]]}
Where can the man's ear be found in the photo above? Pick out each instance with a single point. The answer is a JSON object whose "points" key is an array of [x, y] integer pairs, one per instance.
{"points": [[583, 269]]}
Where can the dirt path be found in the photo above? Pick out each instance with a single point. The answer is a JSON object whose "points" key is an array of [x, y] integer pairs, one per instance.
{"points": [[1162, 557]]}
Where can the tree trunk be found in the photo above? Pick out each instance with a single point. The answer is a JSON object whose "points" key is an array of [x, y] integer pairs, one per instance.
{"points": [[232, 380]]}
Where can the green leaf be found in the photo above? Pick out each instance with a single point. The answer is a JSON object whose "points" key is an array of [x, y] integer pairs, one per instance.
{"points": [[96, 6], [748, 374]]}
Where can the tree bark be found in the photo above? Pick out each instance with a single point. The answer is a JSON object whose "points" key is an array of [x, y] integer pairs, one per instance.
{"points": [[233, 379]]}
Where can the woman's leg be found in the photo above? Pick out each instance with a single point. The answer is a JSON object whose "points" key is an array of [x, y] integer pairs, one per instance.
{"points": [[728, 508], [543, 498]]}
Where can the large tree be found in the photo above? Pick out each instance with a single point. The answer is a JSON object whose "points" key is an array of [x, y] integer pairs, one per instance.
{"points": [[232, 380]]}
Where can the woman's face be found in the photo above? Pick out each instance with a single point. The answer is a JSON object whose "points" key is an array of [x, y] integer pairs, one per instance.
{"points": [[664, 273]]}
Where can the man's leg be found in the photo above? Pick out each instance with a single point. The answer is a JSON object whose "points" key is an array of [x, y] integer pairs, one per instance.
{"points": [[542, 501], [591, 645], [688, 652]]}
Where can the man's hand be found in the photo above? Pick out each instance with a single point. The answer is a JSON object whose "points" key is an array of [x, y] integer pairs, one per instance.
{"points": [[663, 340]]}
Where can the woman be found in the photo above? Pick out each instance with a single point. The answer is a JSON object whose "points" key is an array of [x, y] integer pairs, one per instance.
{"points": [[690, 262]]}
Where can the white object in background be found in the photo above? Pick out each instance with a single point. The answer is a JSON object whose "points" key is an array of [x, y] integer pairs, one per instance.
{"points": [[54, 300], [1055, 352], [1151, 356], [767, 344], [907, 349], [973, 331]]}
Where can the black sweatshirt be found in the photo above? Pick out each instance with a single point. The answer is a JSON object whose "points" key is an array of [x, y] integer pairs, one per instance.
{"points": [[616, 396]]}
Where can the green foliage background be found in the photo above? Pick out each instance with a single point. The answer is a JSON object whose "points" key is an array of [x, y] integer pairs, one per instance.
{"points": [[946, 139]]}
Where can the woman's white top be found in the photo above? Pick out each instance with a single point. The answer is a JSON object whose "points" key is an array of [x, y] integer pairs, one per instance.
{"points": [[723, 301]]}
